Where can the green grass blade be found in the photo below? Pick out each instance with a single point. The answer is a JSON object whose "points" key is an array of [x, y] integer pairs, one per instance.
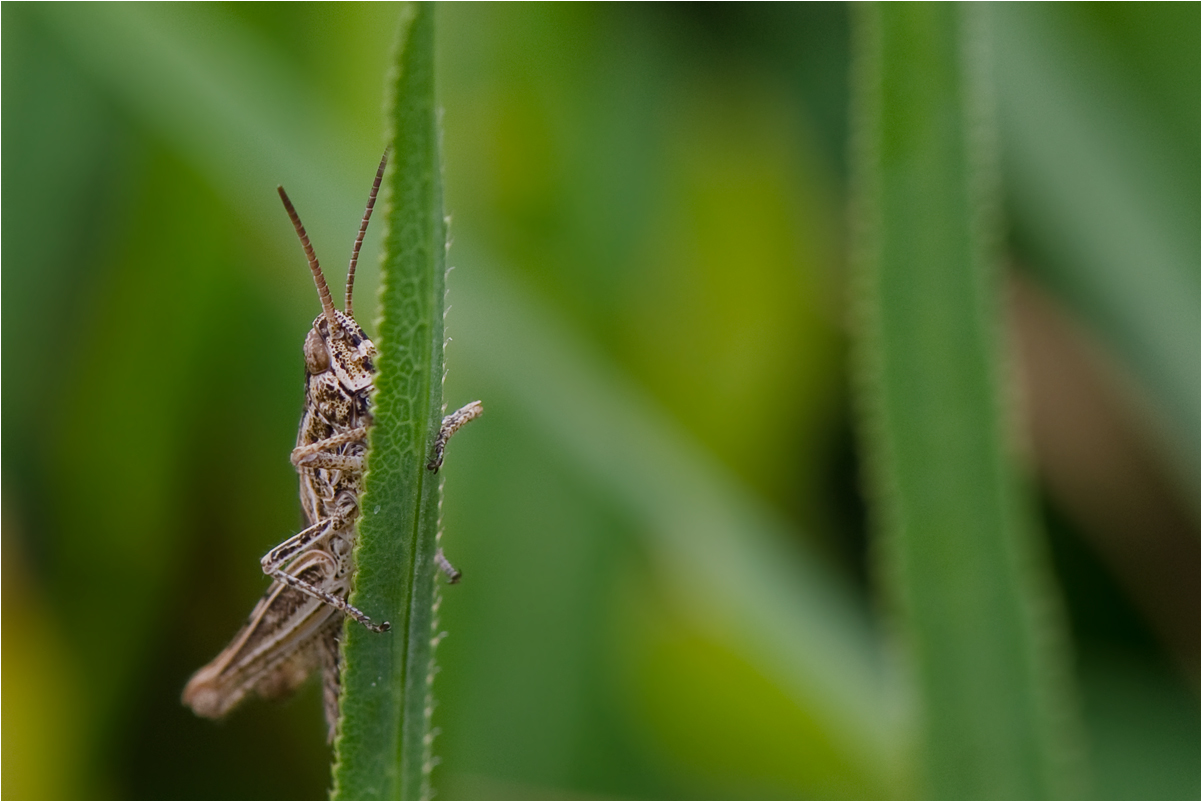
{"points": [[960, 552], [382, 748]]}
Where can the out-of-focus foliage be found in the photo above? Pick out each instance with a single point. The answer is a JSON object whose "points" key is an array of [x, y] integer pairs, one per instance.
{"points": [[961, 554], [665, 588]]}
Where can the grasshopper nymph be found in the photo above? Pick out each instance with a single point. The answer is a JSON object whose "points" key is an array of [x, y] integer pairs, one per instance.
{"points": [[297, 624]]}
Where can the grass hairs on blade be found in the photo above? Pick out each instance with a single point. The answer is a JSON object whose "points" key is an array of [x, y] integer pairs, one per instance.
{"points": [[384, 746]]}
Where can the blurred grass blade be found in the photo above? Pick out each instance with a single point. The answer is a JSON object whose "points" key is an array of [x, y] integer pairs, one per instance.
{"points": [[732, 562], [1098, 192], [200, 55], [382, 751], [960, 552]]}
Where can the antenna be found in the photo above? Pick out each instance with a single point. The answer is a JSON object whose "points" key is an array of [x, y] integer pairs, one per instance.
{"points": [[371, 202], [323, 290]]}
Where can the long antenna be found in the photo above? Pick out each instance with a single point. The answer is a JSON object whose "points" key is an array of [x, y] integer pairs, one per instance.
{"points": [[371, 202], [323, 290]]}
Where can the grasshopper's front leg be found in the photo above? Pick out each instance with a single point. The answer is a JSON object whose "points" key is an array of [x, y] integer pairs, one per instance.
{"points": [[451, 424], [318, 455]]}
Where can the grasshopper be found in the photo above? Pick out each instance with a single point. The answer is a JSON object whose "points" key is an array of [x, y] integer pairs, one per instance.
{"points": [[297, 624]]}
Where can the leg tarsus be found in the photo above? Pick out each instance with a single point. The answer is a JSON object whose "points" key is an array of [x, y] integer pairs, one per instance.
{"points": [[444, 565]]}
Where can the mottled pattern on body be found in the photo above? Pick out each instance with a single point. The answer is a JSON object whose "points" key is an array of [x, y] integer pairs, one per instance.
{"points": [[297, 625], [292, 630]]}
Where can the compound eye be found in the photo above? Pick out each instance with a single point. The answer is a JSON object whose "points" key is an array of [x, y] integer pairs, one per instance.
{"points": [[317, 357]]}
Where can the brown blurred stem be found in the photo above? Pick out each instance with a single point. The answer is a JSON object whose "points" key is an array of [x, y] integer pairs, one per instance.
{"points": [[1092, 448]]}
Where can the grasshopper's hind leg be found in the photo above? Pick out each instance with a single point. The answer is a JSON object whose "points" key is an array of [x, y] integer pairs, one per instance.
{"points": [[293, 546], [308, 537], [331, 677]]}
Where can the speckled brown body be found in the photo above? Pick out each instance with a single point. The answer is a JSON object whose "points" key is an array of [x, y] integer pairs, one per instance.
{"points": [[333, 411], [297, 624], [292, 630]]}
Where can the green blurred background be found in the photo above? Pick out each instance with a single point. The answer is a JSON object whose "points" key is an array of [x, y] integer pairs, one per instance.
{"points": [[667, 591]]}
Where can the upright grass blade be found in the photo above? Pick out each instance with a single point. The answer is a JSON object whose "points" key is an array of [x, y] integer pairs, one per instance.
{"points": [[960, 552], [382, 750]]}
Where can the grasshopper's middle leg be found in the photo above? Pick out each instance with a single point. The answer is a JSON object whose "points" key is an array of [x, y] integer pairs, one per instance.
{"points": [[273, 565], [329, 598], [451, 424]]}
